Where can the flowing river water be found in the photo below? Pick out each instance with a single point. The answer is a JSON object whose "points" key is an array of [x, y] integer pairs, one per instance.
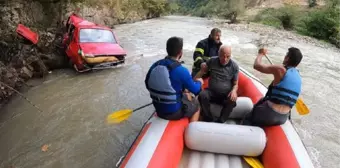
{"points": [[73, 126]]}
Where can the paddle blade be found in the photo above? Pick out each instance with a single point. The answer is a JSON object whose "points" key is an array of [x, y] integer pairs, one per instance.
{"points": [[119, 116], [301, 107], [253, 162]]}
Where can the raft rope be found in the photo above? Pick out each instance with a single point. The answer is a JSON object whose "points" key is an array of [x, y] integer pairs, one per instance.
{"points": [[22, 96]]}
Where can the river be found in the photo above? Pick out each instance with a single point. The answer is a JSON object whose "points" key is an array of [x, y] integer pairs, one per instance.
{"points": [[75, 105]]}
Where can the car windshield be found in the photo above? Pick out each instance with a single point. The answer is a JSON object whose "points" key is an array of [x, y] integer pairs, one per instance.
{"points": [[96, 36]]}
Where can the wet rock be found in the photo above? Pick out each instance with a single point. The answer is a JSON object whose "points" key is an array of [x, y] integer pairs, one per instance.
{"points": [[18, 63], [46, 41], [54, 60], [25, 73]]}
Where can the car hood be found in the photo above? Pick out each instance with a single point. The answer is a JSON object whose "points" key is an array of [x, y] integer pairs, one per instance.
{"points": [[102, 49]]}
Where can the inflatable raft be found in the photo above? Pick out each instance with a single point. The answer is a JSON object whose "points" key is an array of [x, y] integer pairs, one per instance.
{"points": [[172, 144]]}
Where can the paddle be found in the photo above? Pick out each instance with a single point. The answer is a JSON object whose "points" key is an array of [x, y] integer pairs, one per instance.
{"points": [[300, 105], [122, 115], [253, 162]]}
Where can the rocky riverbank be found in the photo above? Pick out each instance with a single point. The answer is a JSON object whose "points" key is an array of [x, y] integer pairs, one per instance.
{"points": [[272, 35]]}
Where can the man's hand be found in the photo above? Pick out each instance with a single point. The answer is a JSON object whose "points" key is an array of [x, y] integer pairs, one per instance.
{"points": [[204, 67], [201, 80], [263, 51], [233, 95]]}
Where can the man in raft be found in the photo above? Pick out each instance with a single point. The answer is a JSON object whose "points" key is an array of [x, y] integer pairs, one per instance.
{"points": [[223, 84], [205, 49], [282, 93], [167, 79]]}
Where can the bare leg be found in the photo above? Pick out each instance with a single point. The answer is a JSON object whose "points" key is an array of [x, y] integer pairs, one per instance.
{"points": [[196, 116], [187, 94]]}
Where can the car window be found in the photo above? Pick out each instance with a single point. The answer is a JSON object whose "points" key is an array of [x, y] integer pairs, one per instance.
{"points": [[71, 30], [96, 36]]}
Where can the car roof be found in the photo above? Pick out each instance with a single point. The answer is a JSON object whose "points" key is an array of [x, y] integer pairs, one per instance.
{"points": [[81, 23]]}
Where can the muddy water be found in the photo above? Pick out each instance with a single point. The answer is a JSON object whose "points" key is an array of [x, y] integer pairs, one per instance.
{"points": [[75, 105]]}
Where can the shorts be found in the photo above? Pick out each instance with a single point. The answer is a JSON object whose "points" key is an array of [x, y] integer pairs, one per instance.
{"points": [[188, 109], [263, 115]]}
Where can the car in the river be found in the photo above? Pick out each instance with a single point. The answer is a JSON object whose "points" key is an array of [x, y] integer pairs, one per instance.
{"points": [[91, 46]]}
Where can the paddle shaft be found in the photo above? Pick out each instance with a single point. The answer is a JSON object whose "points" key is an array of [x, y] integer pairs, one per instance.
{"points": [[268, 59], [142, 107], [119, 116]]}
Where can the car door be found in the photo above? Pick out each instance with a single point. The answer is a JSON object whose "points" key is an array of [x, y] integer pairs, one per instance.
{"points": [[73, 47]]}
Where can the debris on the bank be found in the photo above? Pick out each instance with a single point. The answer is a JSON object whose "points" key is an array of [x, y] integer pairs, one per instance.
{"points": [[20, 61], [44, 148]]}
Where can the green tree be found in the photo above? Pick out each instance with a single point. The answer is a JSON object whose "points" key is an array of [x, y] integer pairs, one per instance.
{"points": [[312, 3], [228, 9], [155, 7]]}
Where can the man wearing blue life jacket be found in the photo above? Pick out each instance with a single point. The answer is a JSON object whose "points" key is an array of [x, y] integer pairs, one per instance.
{"points": [[166, 81], [283, 92]]}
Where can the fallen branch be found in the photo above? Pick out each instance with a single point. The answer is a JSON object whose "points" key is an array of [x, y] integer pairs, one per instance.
{"points": [[22, 96]]}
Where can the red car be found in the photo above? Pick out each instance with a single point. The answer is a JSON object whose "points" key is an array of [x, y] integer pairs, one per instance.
{"points": [[90, 46]]}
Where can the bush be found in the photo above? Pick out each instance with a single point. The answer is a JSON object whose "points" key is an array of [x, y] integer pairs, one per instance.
{"points": [[284, 17], [228, 9], [319, 25], [155, 7], [312, 3], [322, 23], [171, 7], [335, 38], [268, 17], [287, 15]]}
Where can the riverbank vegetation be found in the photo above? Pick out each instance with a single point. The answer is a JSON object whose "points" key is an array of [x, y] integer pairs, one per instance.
{"points": [[229, 9], [321, 22], [123, 8]]}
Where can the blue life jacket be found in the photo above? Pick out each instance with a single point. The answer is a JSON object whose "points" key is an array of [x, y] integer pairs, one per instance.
{"points": [[288, 90], [159, 85]]}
